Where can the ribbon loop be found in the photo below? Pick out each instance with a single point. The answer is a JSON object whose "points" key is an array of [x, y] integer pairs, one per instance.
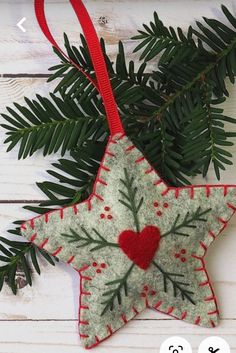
{"points": [[97, 58]]}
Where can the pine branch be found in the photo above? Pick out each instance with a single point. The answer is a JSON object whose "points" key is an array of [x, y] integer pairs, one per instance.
{"points": [[97, 243], [178, 79], [190, 121], [114, 294], [129, 198], [187, 141], [16, 255], [208, 72], [206, 138], [177, 285], [159, 146], [42, 125], [189, 222], [212, 66], [77, 65], [132, 92], [74, 178], [72, 77], [157, 38]]}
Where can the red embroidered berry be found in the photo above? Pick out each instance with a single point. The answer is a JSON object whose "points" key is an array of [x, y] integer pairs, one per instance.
{"points": [[166, 205], [102, 215], [109, 216], [177, 256], [159, 213], [98, 270], [183, 259], [143, 295], [145, 288], [95, 264], [107, 208], [155, 204], [153, 292], [183, 251], [103, 265]]}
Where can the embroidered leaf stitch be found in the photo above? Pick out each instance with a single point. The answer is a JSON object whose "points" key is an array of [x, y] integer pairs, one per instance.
{"points": [[130, 197], [189, 221], [87, 240], [116, 293], [176, 284]]}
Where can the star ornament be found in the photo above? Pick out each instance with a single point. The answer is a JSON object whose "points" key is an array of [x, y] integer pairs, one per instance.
{"points": [[137, 243]]}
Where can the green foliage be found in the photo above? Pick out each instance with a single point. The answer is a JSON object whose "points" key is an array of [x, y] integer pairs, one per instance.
{"points": [[15, 255], [213, 144], [128, 85], [157, 38], [51, 125], [74, 177], [73, 79], [172, 114], [192, 70], [162, 149]]}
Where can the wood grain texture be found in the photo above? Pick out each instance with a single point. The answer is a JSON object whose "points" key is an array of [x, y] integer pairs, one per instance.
{"points": [[30, 53], [44, 318], [138, 336]]}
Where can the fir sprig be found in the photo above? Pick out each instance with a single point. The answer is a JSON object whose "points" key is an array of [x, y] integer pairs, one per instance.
{"points": [[114, 294], [180, 227], [157, 38], [41, 124], [97, 242], [16, 254], [209, 124], [181, 76], [73, 178], [177, 284], [127, 83]]}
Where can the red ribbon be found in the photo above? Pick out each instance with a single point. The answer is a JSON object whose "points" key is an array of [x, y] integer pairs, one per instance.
{"points": [[97, 58]]}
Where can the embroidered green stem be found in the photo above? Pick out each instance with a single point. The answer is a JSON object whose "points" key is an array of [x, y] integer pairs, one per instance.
{"points": [[116, 293], [87, 240], [176, 284], [129, 198], [188, 222]]}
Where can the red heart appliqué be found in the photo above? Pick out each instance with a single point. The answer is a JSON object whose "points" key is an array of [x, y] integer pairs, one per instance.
{"points": [[140, 247]]}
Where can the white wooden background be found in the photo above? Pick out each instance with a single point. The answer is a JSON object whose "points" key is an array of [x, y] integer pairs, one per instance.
{"points": [[44, 318]]}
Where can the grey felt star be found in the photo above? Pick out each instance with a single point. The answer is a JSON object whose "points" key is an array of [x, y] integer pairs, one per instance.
{"points": [[137, 243]]}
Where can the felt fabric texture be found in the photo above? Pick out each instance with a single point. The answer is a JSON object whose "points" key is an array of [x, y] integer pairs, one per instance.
{"points": [[116, 284]]}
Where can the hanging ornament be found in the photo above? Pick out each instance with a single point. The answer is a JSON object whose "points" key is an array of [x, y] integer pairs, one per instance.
{"points": [[136, 242]]}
